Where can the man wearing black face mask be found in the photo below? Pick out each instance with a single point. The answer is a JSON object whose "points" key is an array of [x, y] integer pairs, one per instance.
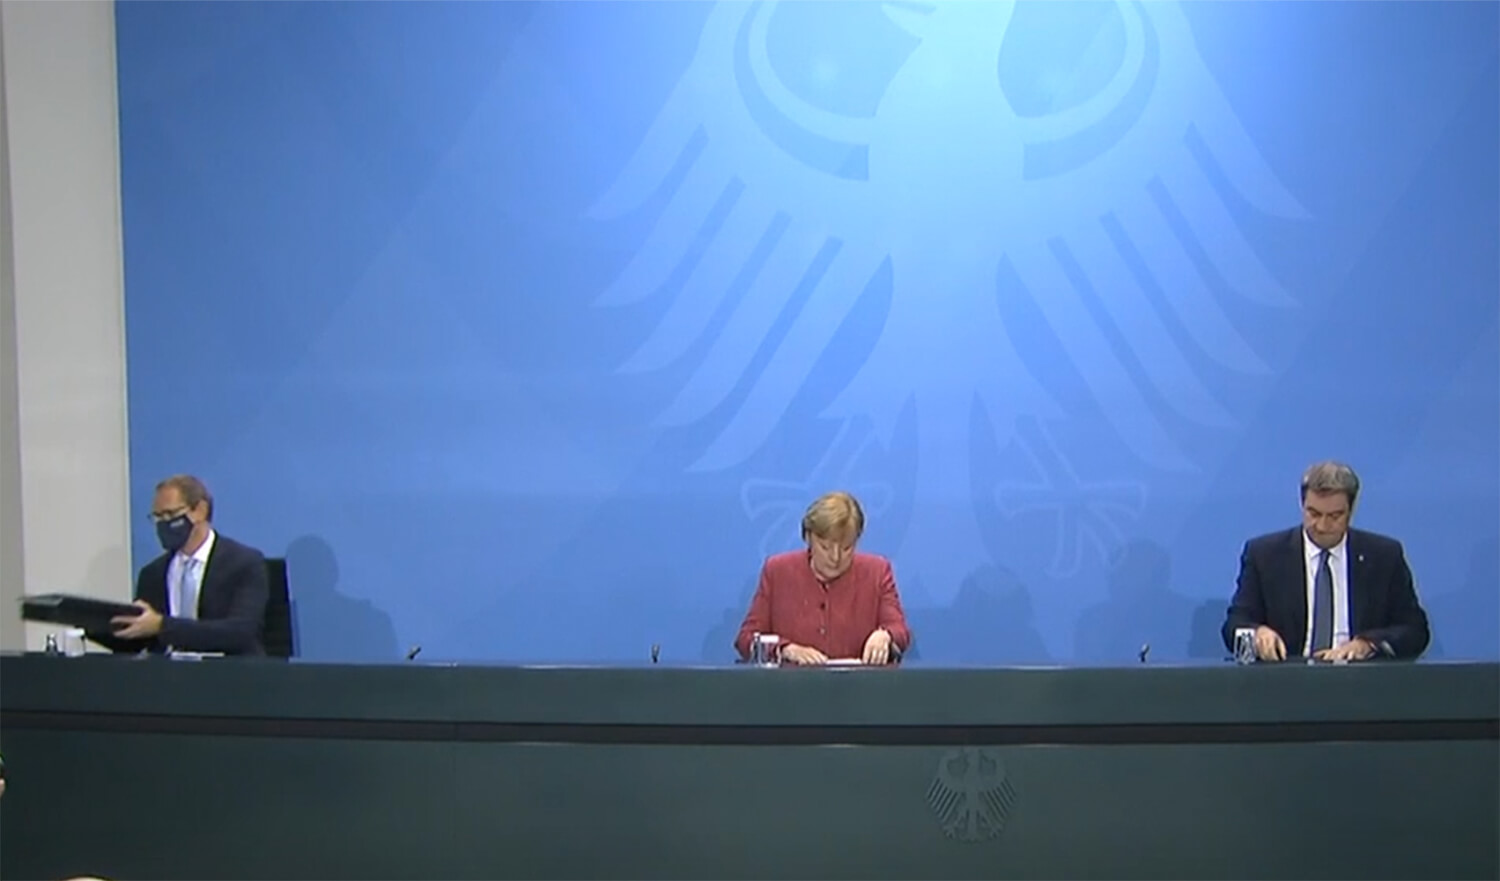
{"points": [[207, 593]]}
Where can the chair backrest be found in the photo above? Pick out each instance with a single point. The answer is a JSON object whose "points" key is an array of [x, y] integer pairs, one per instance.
{"points": [[276, 634]]}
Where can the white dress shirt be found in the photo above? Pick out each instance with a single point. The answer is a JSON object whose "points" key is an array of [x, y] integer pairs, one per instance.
{"points": [[1338, 567], [191, 590]]}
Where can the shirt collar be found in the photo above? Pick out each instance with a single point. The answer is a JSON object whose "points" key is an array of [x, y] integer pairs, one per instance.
{"points": [[1311, 550], [201, 555]]}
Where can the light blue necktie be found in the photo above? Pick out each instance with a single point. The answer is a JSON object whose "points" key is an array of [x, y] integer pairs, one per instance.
{"points": [[1322, 631], [187, 589]]}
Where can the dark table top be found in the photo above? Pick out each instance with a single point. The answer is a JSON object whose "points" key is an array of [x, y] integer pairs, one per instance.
{"points": [[661, 695]]}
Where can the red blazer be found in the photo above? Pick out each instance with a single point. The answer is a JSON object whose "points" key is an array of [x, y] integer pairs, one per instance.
{"points": [[836, 618]]}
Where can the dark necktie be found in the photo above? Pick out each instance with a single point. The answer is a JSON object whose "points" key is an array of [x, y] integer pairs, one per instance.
{"points": [[1322, 630]]}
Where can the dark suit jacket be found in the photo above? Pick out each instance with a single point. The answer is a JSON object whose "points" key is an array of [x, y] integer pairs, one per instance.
{"points": [[231, 605], [1383, 606]]}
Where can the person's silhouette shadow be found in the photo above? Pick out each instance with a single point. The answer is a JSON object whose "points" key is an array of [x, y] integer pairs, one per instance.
{"points": [[990, 621], [1141, 610], [1206, 639], [718, 643], [332, 626]]}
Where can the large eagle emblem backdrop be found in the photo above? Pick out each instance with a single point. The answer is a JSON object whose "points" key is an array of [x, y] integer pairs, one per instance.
{"points": [[1027, 246], [526, 330]]}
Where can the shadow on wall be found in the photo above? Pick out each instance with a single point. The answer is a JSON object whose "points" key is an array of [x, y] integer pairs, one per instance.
{"points": [[990, 621], [331, 625], [1466, 622], [1141, 609], [1206, 639], [718, 643]]}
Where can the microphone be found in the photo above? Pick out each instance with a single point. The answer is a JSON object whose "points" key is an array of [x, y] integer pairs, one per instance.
{"points": [[655, 652], [411, 654], [1145, 650]]}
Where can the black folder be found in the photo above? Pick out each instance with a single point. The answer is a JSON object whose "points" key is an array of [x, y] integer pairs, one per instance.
{"points": [[75, 611]]}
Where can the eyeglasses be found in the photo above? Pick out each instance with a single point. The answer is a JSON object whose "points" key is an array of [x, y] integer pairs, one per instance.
{"points": [[164, 516]]}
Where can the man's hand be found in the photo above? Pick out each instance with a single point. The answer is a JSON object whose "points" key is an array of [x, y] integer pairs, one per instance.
{"points": [[143, 626], [1356, 649], [1268, 644], [877, 647], [802, 655]]}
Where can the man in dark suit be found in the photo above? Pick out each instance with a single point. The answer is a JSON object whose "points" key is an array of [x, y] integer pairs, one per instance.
{"points": [[207, 593], [1324, 590]]}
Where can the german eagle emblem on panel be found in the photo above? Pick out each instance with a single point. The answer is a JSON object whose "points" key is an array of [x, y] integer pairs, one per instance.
{"points": [[971, 794]]}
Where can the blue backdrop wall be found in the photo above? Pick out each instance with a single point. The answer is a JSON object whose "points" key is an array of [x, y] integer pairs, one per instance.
{"points": [[525, 330]]}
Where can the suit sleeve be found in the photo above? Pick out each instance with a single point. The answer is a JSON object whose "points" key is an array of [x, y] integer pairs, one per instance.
{"points": [[127, 646], [1248, 606], [239, 631], [892, 618], [758, 618], [1407, 633]]}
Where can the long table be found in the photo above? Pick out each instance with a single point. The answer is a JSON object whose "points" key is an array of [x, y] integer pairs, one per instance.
{"points": [[156, 768]]}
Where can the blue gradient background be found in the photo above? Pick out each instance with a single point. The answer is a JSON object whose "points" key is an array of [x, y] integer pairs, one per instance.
{"points": [[525, 330]]}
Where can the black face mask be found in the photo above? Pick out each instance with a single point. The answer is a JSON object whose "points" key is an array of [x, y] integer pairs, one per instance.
{"points": [[173, 534]]}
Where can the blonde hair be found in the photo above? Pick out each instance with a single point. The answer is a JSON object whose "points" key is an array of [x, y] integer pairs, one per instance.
{"points": [[836, 513]]}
